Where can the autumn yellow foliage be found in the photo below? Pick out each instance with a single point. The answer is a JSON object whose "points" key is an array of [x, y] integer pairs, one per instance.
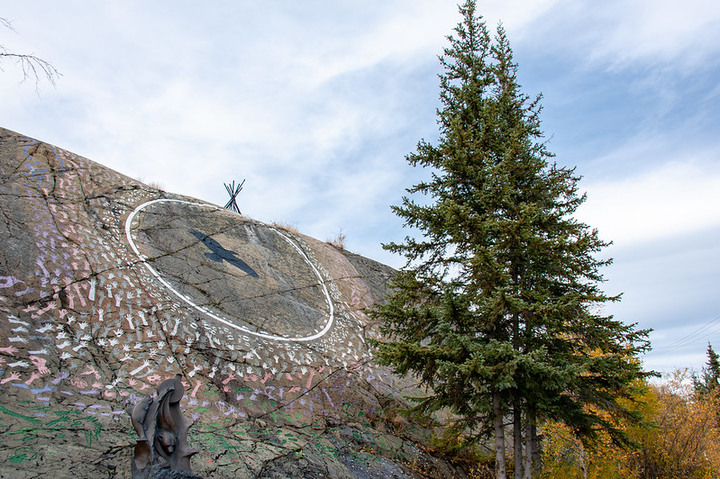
{"points": [[682, 439]]}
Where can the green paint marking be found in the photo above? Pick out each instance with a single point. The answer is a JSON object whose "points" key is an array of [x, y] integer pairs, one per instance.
{"points": [[57, 421], [42, 408], [23, 454], [14, 414]]}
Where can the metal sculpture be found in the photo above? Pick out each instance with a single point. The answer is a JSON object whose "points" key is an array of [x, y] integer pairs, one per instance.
{"points": [[162, 449], [233, 191]]}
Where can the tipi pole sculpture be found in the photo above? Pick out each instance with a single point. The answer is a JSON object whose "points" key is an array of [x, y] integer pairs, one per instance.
{"points": [[233, 191]]}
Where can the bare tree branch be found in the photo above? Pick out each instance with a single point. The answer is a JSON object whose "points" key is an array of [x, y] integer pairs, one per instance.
{"points": [[33, 67]]}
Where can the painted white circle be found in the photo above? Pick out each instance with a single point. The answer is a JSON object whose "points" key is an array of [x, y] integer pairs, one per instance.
{"points": [[227, 321]]}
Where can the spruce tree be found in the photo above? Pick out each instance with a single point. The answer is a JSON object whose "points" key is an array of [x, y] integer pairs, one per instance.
{"points": [[713, 369], [495, 309], [709, 382]]}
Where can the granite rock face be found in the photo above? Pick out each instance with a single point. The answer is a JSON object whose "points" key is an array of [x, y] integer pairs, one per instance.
{"points": [[109, 286]]}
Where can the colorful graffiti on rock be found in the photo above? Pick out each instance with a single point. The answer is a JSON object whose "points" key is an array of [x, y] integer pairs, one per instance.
{"points": [[93, 319]]}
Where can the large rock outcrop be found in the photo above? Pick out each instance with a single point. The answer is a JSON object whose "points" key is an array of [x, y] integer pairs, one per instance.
{"points": [[109, 286]]}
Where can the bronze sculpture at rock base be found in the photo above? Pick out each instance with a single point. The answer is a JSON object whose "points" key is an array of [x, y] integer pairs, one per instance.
{"points": [[162, 450]]}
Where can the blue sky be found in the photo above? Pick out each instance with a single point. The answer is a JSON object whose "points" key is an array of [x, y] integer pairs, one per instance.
{"points": [[316, 103]]}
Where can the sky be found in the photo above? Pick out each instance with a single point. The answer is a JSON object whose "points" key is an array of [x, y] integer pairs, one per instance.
{"points": [[316, 104]]}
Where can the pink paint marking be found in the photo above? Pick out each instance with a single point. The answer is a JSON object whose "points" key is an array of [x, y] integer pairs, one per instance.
{"points": [[195, 389], [80, 295], [33, 377], [267, 376], [309, 381], [40, 365], [40, 312], [10, 350], [78, 383], [13, 377], [91, 370]]}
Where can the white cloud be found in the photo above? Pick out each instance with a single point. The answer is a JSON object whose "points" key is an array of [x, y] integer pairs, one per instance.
{"points": [[516, 15], [684, 33], [672, 199], [617, 34]]}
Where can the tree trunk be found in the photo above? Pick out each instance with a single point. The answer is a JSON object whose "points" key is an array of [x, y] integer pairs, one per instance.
{"points": [[528, 454], [517, 400], [517, 438], [583, 466], [535, 452], [532, 453], [500, 471]]}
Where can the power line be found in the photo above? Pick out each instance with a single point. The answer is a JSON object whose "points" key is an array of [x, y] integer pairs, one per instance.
{"points": [[711, 326]]}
